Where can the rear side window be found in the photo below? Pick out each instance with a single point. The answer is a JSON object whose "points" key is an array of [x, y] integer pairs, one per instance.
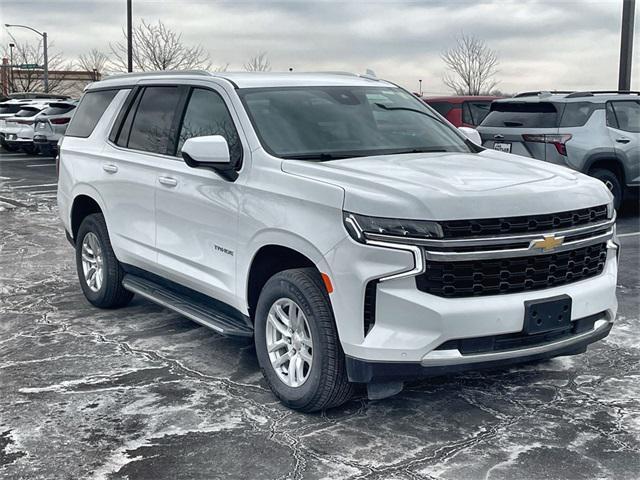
{"points": [[624, 115], [576, 114], [522, 115], [11, 108], [474, 113], [441, 107], [57, 109], [90, 110], [153, 127], [207, 114]]}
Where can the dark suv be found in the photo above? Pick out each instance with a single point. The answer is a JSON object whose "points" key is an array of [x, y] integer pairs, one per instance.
{"points": [[597, 133]]}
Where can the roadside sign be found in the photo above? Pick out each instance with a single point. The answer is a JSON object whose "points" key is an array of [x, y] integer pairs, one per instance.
{"points": [[28, 66]]}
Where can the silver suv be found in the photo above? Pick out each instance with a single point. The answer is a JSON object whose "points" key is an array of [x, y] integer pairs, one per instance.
{"points": [[597, 133]]}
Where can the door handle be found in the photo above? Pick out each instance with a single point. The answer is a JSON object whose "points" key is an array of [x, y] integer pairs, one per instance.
{"points": [[109, 167], [623, 140], [168, 181]]}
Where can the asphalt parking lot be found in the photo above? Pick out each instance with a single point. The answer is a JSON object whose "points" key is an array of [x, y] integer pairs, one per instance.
{"points": [[143, 393]]}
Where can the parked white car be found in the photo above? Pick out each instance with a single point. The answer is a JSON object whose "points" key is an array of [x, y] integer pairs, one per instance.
{"points": [[355, 234], [50, 126], [17, 131]]}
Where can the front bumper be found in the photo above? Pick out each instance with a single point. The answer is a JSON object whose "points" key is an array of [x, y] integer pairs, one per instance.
{"points": [[442, 362]]}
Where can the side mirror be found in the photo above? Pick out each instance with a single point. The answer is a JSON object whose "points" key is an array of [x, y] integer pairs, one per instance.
{"points": [[472, 134], [211, 152]]}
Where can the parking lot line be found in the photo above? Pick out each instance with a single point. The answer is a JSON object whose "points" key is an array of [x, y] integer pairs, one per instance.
{"points": [[630, 234], [13, 160], [36, 186], [42, 165]]}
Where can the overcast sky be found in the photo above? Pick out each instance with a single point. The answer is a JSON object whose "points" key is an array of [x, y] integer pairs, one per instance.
{"points": [[552, 44]]}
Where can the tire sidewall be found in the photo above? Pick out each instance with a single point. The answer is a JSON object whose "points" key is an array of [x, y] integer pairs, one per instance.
{"points": [[90, 225], [275, 289], [616, 191]]}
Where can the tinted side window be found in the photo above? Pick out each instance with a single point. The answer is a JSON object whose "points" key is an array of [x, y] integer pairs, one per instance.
{"points": [[441, 107], [522, 114], [577, 114], [89, 112], [207, 114], [152, 129], [11, 108], [627, 114]]}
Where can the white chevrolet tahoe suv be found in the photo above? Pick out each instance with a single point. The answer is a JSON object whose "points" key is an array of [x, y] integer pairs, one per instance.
{"points": [[338, 220]]}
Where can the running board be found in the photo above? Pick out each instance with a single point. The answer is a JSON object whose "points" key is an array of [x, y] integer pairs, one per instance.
{"points": [[194, 309]]}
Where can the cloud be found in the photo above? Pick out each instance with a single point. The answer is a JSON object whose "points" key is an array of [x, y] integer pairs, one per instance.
{"points": [[541, 44]]}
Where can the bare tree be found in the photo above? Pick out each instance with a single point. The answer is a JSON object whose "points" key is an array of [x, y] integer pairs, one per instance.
{"points": [[94, 61], [31, 79], [258, 63], [471, 66], [156, 47]]}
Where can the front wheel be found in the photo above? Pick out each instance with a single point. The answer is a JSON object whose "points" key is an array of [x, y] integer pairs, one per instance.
{"points": [[297, 344]]}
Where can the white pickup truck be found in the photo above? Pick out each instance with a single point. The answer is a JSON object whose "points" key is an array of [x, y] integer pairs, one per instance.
{"points": [[337, 219]]}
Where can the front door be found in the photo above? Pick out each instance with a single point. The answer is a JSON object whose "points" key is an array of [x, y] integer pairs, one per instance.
{"points": [[623, 120], [196, 209]]}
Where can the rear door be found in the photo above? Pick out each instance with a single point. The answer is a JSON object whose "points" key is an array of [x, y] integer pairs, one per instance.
{"points": [[137, 146], [196, 209], [517, 127], [623, 122]]}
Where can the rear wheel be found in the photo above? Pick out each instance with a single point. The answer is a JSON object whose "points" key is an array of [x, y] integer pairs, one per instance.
{"points": [[297, 344], [612, 182], [99, 271]]}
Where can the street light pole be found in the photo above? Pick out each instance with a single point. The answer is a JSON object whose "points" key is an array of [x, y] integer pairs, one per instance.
{"points": [[626, 44], [46, 53]]}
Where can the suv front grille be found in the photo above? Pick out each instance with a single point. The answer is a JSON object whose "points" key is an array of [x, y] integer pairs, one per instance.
{"points": [[511, 275], [526, 224]]}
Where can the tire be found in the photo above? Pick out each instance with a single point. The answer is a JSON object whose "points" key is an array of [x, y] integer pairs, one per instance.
{"points": [[326, 384], [108, 292], [612, 182], [9, 148]]}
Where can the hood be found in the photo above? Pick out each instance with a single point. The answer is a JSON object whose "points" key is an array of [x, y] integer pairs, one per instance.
{"points": [[448, 186]]}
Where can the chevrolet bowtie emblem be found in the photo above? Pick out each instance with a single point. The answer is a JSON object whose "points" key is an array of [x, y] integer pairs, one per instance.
{"points": [[549, 242]]}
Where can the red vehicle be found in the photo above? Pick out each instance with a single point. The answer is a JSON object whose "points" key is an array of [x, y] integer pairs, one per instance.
{"points": [[462, 111]]}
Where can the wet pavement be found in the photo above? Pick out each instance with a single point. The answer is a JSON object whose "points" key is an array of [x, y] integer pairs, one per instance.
{"points": [[143, 393]]}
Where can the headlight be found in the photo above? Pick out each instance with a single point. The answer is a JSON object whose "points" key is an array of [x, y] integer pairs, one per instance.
{"points": [[362, 226], [610, 210]]}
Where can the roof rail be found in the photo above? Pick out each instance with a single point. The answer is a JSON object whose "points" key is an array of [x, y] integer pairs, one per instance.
{"points": [[540, 92], [602, 92], [158, 72]]}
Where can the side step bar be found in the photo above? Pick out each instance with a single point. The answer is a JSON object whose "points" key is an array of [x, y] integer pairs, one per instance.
{"points": [[194, 309]]}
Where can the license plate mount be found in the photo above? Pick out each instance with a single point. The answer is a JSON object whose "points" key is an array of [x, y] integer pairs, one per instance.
{"points": [[502, 147], [547, 314]]}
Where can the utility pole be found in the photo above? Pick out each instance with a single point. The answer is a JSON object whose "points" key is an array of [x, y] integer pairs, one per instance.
{"points": [[11, 79], [626, 44], [46, 62], [129, 38]]}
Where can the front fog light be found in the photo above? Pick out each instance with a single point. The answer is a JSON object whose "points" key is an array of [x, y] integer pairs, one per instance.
{"points": [[361, 226]]}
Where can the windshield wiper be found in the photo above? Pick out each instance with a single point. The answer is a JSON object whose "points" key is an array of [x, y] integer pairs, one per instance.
{"points": [[407, 109]]}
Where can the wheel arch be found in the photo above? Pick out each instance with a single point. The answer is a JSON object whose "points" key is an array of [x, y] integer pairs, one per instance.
{"points": [[608, 161], [83, 205], [265, 263]]}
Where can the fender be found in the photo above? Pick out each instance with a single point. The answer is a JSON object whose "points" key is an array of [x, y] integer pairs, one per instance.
{"points": [[281, 238]]}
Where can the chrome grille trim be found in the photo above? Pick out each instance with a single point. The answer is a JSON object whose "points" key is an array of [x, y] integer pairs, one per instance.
{"points": [[515, 252]]}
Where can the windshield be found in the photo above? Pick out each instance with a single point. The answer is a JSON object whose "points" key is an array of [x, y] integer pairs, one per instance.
{"points": [[326, 123]]}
